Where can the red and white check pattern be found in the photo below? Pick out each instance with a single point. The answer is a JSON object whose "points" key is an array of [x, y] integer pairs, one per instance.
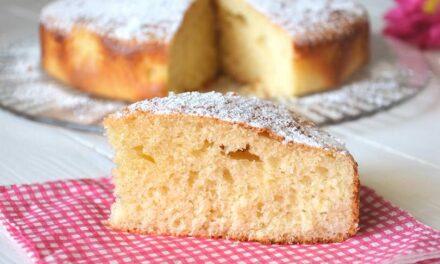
{"points": [[63, 221]]}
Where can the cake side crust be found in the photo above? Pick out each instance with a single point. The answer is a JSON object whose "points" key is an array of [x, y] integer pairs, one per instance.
{"points": [[105, 67], [325, 65]]}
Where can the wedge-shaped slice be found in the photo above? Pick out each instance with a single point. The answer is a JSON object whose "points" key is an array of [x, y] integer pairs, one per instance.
{"points": [[216, 165]]}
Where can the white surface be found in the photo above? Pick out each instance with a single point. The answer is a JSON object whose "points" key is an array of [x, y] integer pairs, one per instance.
{"points": [[398, 151]]}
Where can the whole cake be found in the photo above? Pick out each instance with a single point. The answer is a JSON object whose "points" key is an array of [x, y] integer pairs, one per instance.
{"points": [[213, 165], [135, 49]]}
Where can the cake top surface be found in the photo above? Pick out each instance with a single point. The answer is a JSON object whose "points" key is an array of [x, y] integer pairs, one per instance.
{"points": [[119, 19], [308, 21], [251, 111], [305, 20]]}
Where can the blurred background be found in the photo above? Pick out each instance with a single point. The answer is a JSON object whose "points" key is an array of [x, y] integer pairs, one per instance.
{"points": [[19, 18]]}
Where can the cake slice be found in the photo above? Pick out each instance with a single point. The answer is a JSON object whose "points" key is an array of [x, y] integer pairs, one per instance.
{"points": [[213, 165]]}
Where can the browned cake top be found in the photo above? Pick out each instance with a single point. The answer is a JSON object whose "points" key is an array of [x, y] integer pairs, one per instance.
{"points": [[308, 21], [251, 111]]}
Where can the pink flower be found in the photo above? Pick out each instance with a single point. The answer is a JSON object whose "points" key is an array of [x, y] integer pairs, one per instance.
{"points": [[415, 21]]}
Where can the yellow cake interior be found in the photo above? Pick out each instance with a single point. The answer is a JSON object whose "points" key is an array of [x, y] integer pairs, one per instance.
{"points": [[193, 51], [184, 175], [254, 50]]}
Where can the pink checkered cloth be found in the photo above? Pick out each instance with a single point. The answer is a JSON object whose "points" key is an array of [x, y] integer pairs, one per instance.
{"points": [[63, 221]]}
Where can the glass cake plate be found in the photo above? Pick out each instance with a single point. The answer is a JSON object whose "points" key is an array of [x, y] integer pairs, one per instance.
{"points": [[396, 72]]}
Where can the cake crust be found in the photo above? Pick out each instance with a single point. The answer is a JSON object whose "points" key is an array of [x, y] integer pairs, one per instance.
{"points": [[261, 116], [244, 238], [332, 61], [107, 67]]}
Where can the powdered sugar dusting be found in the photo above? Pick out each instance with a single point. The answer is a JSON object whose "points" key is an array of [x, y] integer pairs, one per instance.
{"points": [[120, 19], [309, 21], [252, 111]]}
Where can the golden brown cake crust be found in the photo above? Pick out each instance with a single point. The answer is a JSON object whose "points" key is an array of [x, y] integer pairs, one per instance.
{"points": [[105, 67], [335, 58]]}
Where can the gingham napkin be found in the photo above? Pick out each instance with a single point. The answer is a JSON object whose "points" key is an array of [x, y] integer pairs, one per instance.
{"points": [[63, 222]]}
